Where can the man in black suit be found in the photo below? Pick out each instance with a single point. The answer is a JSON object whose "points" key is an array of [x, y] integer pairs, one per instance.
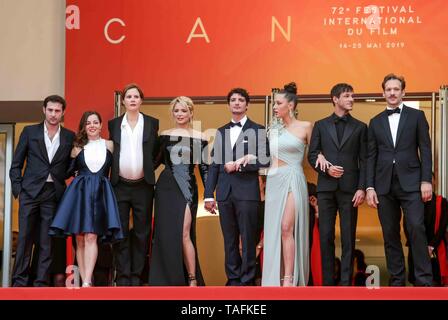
{"points": [[46, 149], [240, 150], [135, 137], [342, 141], [399, 176]]}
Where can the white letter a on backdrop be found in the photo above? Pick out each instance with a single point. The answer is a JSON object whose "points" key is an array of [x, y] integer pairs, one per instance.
{"points": [[73, 20], [203, 34]]}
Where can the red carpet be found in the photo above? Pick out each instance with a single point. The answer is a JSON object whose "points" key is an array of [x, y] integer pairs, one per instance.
{"points": [[224, 293]]}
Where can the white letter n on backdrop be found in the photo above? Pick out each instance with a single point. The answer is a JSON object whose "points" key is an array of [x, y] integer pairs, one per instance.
{"points": [[198, 35], [275, 23]]}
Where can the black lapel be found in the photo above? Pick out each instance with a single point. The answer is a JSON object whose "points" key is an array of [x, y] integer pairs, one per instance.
{"points": [[384, 119], [41, 141], [117, 129], [348, 130], [62, 142], [331, 127], [146, 128], [402, 122]]}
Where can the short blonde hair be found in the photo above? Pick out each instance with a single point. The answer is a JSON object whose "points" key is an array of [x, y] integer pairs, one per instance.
{"points": [[184, 101]]}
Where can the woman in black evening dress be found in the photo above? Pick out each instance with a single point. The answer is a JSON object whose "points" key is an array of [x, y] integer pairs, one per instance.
{"points": [[174, 257]]}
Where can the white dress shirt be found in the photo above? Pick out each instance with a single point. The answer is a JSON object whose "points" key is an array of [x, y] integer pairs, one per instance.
{"points": [[95, 154], [131, 149], [51, 146], [236, 130], [394, 119]]}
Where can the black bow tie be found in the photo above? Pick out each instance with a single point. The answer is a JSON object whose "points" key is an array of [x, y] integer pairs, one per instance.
{"points": [[232, 124], [392, 111], [343, 118]]}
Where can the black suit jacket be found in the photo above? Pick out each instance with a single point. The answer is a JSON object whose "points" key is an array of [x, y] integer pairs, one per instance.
{"points": [[31, 147], [412, 152], [351, 154], [243, 184], [150, 147]]}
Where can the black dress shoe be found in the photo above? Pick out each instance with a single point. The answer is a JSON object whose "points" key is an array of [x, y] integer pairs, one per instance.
{"points": [[123, 283], [233, 283], [248, 283], [427, 285], [135, 282], [18, 285], [40, 285]]}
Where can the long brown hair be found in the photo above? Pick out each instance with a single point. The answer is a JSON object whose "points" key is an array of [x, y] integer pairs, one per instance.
{"points": [[81, 137]]}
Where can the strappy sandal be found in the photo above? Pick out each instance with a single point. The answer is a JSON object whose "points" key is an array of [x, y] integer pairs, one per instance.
{"points": [[192, 282], [288, 281]]}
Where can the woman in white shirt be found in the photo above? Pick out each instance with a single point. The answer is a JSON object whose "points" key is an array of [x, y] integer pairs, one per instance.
{"points": [[89, 208]]}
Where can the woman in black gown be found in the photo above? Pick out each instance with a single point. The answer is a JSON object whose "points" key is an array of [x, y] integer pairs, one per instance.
{"points": [[174, 258], [89, 208]]}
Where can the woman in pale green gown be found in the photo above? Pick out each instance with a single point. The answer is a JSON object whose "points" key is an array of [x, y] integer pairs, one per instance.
{"points": [[286, 224]]}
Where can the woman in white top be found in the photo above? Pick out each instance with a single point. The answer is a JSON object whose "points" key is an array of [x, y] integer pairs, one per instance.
{"points": [[89, 208]]}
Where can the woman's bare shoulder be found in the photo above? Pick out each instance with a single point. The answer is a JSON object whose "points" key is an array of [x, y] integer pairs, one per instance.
{"points": [[166, 132], [110, 145]]}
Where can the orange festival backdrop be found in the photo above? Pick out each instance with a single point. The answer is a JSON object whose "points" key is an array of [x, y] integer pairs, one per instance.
{"points": [[204, 48]]}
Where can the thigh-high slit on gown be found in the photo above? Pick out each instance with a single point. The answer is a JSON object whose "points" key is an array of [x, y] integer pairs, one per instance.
{"points": [[176, 189]]}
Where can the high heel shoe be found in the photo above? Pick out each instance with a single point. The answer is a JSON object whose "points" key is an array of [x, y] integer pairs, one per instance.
{"points": [[192, 282], [288, 281], [86, 284]]}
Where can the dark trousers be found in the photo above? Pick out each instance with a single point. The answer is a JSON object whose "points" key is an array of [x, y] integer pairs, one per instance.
{"points": [[102, 274], [131, 252], [58, 262], [35, 217], [329, 204], [390, 217], [239, 218]]}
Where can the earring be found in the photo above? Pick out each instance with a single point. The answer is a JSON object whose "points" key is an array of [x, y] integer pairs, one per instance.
{"points": [[291, 113]]}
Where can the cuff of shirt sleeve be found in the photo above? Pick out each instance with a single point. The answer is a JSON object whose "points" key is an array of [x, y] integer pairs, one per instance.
{"points": [[209, 199], [370, 188]]}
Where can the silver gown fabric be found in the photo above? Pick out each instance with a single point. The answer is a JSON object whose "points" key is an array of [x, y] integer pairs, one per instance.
{"points": [[280, 181]]}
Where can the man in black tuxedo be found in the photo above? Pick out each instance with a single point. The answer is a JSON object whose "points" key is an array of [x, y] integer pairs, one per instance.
{"points": [[46, 149], [240, 150], [135, 137], [399, 176], [342, 141]]}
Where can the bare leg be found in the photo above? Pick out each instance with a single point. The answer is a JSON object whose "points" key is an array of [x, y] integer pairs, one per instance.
{"points": [[288, 243], [188, 248], [91, 254], [80, 254]]}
